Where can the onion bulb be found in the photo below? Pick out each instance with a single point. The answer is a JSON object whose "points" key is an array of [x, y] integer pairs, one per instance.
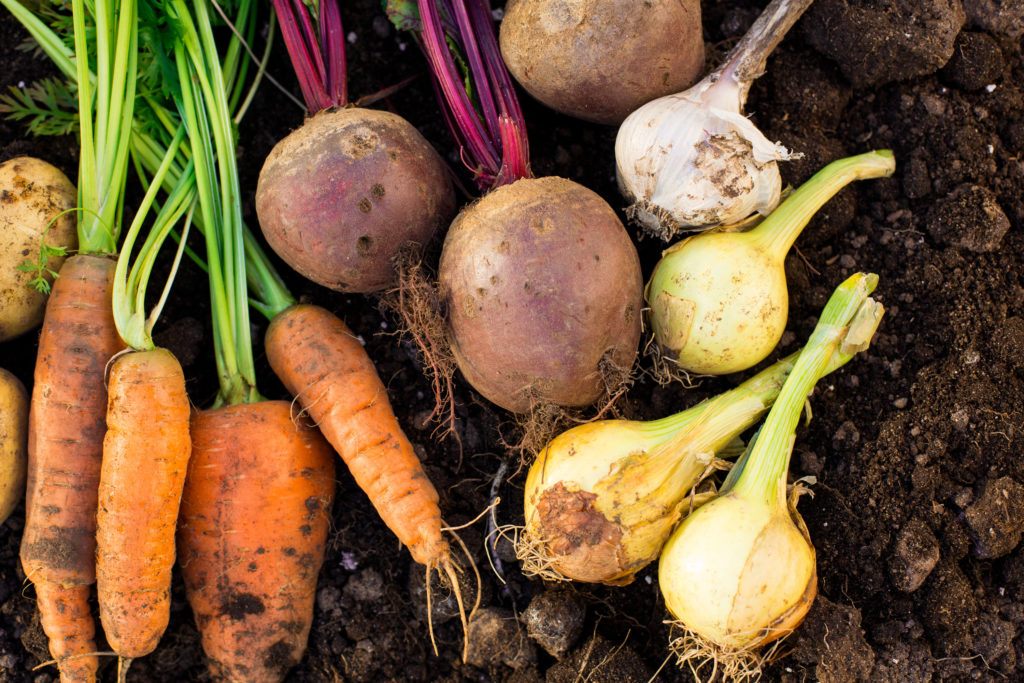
{"points": [[740, 571], [718, 300], [692, 160], [602, 498]]}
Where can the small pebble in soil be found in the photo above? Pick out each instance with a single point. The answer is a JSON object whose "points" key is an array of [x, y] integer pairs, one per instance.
{"points": [[811, 463], [554, 619], [977, 61], [996, 518], [366, 586], [496, 636], [328, 602], [959, 419], [914, 556], [846, 436], [968, 218]]}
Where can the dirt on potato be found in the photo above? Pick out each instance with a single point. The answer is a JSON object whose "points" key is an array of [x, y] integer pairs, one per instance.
{"points": [[915, 446]]}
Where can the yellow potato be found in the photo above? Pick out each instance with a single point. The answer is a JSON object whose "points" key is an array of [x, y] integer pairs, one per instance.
{"points": [[13, 442], [32, 193]]}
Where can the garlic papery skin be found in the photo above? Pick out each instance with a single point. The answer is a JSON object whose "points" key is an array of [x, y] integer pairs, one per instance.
{"points": [[686, 163], [693, 161]]}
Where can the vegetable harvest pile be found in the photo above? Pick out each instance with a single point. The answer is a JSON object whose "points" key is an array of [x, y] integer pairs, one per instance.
{"points": [[480, 340]]}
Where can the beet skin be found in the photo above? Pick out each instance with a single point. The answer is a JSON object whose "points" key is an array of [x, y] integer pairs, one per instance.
{"points": [[541, 283], [339, 197]]}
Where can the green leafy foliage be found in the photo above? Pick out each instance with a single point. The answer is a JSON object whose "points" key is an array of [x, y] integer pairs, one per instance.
{"points": [[48, 107], [404, 14], [44, 274]]}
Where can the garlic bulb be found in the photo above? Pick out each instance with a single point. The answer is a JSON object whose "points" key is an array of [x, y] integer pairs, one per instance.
{"points": [[692, 160]]}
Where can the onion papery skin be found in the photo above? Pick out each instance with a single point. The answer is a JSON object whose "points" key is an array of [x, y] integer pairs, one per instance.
{"points": [[596, 513], [541, 283], [341, 196], [599, 60], [738, 573], [719, 302]]}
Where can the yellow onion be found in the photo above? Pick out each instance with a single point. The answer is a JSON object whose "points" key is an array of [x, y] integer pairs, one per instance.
{"points": [[740, 571], [602, 498], [718, 300]]}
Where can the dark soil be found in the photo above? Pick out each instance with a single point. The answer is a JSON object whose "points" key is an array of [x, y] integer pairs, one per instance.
{"points": [[916, 444]]}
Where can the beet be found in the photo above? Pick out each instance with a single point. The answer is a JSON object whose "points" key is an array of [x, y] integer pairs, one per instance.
{"points": [[542, 283], [338, 198], [599, 60]]}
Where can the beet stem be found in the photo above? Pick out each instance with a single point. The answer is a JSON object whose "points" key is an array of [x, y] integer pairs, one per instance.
{"points": [[483, 115], [322, 84]]}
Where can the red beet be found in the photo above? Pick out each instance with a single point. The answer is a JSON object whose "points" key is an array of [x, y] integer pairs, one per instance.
{"points": [[541, 283], [342, 195]]}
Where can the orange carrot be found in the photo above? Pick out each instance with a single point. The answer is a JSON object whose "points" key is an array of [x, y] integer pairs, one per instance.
{"points": [[252, 535], [67, 421], [324, 366], [145, 455]]}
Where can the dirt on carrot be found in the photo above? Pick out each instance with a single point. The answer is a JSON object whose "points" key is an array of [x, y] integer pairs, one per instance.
{"points": [[66, 428], [252, 535], [145, 456]]}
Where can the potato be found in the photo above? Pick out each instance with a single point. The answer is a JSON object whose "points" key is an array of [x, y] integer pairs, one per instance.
{"points": [[542, 287], [341, 196], [32, 193], [13, 442], [599, 60]]}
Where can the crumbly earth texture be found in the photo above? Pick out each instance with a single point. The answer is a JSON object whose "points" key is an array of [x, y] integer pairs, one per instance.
{"points": [[915, 445]]}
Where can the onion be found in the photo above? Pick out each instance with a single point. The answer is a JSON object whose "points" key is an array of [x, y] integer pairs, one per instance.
{"points": [[740, 571], [691, 161], [602, 498], [718, 300]]}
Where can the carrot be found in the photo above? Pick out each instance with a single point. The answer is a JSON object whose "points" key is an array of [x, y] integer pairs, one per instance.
{"points": [[252, 536], [145, 455], [322, 364], [254, 514], [66, 428], [69, 399]]}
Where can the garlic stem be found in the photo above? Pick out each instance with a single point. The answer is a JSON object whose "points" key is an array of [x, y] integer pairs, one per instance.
{"points": [[763, 477], [779, 230], [747, 60]]}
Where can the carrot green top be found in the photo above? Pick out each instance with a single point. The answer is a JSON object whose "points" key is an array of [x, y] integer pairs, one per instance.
{"points": [[105, 106]]}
